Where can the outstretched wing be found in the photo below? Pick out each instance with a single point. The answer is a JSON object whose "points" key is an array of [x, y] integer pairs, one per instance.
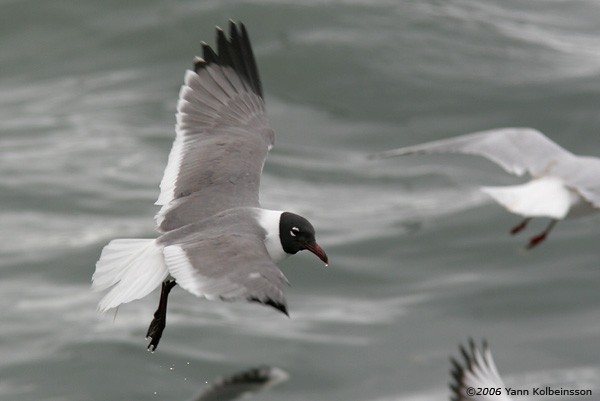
{"points": [[516, 150], [242, 384], [478, 370], [222, 135]]}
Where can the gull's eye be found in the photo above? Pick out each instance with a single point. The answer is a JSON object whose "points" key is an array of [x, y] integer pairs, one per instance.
{"points": [[294, 230]]}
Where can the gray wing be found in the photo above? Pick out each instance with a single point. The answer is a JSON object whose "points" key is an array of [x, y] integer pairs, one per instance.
{"points": [[224, 264], [242, 384], [477, 370], [516, 150], [582, 173], [222, 135]]}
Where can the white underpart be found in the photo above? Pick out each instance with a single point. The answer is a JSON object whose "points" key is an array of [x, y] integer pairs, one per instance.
{"points": [[269, 220], [132, 267], [541, 197], [186, 275]]}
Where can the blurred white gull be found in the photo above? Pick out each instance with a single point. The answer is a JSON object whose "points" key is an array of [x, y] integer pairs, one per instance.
{"points": [[562, 184]]}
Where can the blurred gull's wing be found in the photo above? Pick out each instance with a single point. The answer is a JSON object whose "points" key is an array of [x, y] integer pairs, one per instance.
{"points": [[243, 383], [222, 136], [516, 150], [478, 371]]}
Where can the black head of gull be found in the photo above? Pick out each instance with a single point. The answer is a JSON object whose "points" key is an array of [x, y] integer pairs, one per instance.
{"points": [[297, 234], [216, 241]]}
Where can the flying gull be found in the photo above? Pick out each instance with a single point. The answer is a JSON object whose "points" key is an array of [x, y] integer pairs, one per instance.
{"points": [[562, 184], [216, 241]]}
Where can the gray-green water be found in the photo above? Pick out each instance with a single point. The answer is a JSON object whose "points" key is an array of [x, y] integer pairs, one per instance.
{"points": [[420, 260]]}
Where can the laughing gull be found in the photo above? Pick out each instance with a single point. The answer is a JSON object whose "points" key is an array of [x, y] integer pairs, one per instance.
{"points": [[562, 184], [477, 371], [216, 241], [242, 384]]}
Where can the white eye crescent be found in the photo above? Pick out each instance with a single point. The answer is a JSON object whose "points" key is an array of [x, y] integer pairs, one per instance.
{"points": [[294, 229]]}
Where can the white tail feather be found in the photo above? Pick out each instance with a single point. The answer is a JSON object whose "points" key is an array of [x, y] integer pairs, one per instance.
{"points": [[132, 267]]}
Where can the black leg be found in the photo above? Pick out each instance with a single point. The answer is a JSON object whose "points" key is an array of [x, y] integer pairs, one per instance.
{"points": [[534, 241], [160, 316], [519, 227]]}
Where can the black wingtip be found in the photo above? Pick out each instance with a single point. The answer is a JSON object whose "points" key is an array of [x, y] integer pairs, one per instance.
{"points": [[457, 373], [209, 54], [236, 52], [458, 369], [233, 26], [224, 49], [281, 307]]}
